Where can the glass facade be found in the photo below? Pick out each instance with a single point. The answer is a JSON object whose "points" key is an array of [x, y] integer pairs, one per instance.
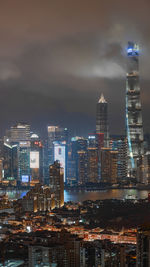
{"points": [[134, 125], [102, 119]]}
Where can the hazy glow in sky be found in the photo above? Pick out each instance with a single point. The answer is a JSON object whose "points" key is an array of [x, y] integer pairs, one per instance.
{"points": [[57, 57]]}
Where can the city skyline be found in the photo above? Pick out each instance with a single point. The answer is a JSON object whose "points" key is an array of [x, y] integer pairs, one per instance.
{"points": [[51, 66], [74, 133]]}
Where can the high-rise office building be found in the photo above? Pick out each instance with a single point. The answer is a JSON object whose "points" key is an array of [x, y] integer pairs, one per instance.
{"points": [[92, 140], [75, 159], [92, 165], [134, 125], [17, 133], [59, 249], [143, 247], [95, 142], [30, 162], [109, 166], [57, 183], [52, 255], [55, 133], [82, 167], [10, 162], [120, 145], [1, 170], [146, 177], [102, 119], [24, 162], [36, 160], [60, 154]]}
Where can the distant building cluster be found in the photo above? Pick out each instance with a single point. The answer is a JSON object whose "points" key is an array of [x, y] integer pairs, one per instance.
{"points": [[25, 159]]}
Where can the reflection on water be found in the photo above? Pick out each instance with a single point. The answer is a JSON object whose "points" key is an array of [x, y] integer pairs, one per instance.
{"points": [[81, 196], [108, 194]]}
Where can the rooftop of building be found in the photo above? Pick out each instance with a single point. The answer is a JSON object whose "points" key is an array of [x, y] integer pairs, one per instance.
{"points": [[102, 99]]}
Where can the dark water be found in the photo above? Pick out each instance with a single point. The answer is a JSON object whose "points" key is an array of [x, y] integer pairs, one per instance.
{"points": [[81, 196], [108, 194]]}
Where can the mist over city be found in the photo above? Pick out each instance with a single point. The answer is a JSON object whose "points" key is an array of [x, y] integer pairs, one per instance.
{"points": [[74, 133], [57, 58]]}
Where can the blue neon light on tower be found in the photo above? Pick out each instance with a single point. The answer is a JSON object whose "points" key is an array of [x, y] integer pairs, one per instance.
{"points": [[134, 124]]}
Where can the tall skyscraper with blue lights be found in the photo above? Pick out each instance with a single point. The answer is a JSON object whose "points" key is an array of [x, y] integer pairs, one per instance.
{"points": [[134, 125]]}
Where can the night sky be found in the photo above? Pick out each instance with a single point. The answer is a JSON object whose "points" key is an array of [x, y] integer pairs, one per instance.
{"points": [[58, 56]]}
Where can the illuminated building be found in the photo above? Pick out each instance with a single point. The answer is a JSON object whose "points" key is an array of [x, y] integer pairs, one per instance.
{"points": [[57, 183], [143, 245], [92, 254], [1, 147], [24, 162], [18, 132], [147, 142], [143, 169], [146, 175], [92, 167], [71, 167], [55, 133], [134, 125], [30, 162], [75, 166], [120, 145], [39, 198], [109, 166], [100, 140], [46, 256], [92, 140], [105, 165], [36, 160], [56, 249], [60, 154], [1, 170], [96, 141], [82, 167], [113, 172], [10, 162], [102, 119]]}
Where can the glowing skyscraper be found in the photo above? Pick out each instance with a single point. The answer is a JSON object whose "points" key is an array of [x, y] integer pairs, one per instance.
{"points": [[102, 119], [134, 125], [57, 183]]}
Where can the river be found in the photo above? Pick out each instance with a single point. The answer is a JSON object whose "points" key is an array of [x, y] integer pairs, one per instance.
{"points": [[76, 196]]}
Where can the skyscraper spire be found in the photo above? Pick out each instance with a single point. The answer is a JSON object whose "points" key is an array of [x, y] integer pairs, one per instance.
{"points": [[102, 99]]}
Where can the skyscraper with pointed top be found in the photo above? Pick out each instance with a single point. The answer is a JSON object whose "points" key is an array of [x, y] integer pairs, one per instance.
{"points": [[102, 119], [134, 124]]}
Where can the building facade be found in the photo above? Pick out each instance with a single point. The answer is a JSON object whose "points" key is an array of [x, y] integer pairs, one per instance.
{"points": [[57, 183], [17, 133], [134, 124], [82, 167], [143, 247], [55, 133], [92, 165], [60, 154], [77, 160], [109, 165], [120, 145], [102, 119]]}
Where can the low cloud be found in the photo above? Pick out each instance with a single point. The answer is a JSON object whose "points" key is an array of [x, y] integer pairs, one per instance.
{"points": [[56, 57], [8, 71], [106, 69]]}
